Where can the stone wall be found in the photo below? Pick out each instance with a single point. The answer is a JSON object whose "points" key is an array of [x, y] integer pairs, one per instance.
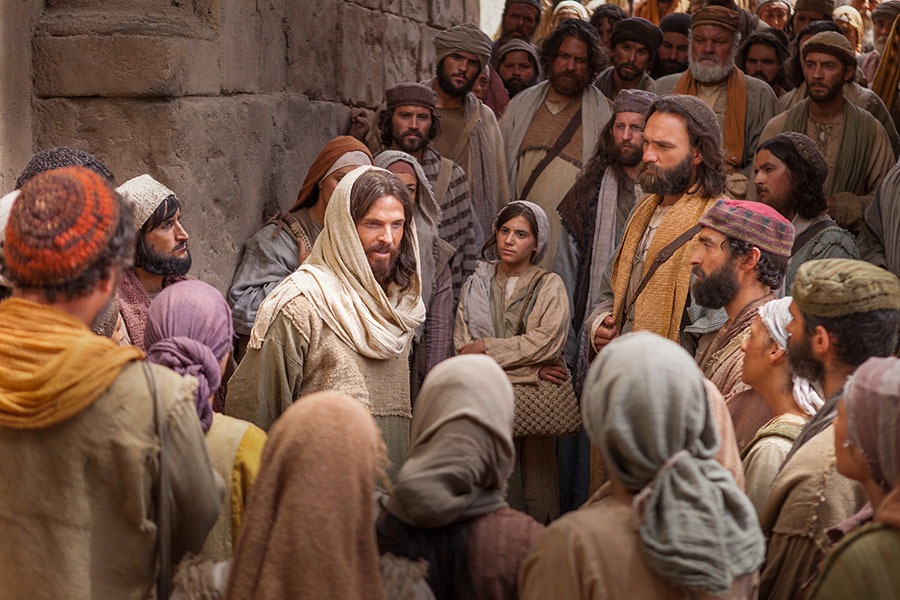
{"points": [[225, 101]]}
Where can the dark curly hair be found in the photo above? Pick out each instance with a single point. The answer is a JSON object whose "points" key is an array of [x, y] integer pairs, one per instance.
{"points": [[806, 187], [770, 269], [580, 30], [385, 126], [770, 40], [858, 336], [508, 212], [366, 190], [607, 11]]}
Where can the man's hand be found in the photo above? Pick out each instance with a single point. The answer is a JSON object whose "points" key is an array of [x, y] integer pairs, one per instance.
{"points": [[359, 124], [553, 373], [473, 348], [605, 333]]}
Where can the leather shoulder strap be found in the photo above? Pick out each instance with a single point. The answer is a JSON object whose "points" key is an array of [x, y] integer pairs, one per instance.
{"points": [[443, 181], [295, 231], [520, 327], [809, 234], [561, 142], [466, 132]]}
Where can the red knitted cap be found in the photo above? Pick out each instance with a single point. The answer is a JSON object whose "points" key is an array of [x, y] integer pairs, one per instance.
{"points": [[59, 226]]}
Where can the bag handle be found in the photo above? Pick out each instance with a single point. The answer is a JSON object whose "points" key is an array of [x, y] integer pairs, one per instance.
{"points": [[164, 518]]}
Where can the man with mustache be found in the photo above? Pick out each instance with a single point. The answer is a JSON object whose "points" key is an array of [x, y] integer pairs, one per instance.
{"points": [[409, 123], [738, 264], [520, 21], [161, 255], [763, 55], [345, 319], [743, 105], [644, 288], [469, 134], [517, 65], [635, 42], [883, 17], [854, 144], [674, 49], [551, 129]]}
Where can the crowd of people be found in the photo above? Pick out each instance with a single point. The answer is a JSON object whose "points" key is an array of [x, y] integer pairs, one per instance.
{"points": [[606, 308]]}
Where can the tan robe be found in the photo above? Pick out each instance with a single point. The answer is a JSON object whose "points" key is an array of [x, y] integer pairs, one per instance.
{"points": [[765, 454]]}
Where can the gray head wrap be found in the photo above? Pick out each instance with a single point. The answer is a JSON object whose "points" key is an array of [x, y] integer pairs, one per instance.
{"points": [[517, 44], [466, 37], [658, 435], [542, 233]]}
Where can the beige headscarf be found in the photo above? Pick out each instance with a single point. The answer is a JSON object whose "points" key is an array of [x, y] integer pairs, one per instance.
{"points": [[309, 527], [144, 194], [338, 281], [462, 449]]}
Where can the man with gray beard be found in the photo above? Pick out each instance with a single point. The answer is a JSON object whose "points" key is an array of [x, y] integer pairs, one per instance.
{"points": [[743, 105], [883, 17]]}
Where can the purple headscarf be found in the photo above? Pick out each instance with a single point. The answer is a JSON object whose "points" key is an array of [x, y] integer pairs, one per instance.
{"points": [[189, 330]]}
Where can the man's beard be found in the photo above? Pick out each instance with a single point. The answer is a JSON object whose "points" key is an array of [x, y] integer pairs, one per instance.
{"points": [[669, 67], [629, 156], [762, 77], [568, 83], [408, 143], [383, 269], [802, 361], [514, 85], [879, 44], [827, 95], [635, 72], [782, 205], [716, 289], [656, 180], [156, 263], [705, 72], [450, 88]]}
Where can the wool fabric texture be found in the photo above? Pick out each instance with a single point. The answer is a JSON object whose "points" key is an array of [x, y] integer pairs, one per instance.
{"points": [[886, 11], [189, 330], [410, 94], [848, 14], [636, 29], [144, 194], [833, 43], [872, 412], [826, 7], [752, 222], [51, 366], [658, 436], [59, 226], [808, 152], [332, 151], [309, 523], [467, 38], [718, 16], [462, 451], [57, 158], [542, 234], [634, 100], [676, 23], [521, 45], [834, 287]]}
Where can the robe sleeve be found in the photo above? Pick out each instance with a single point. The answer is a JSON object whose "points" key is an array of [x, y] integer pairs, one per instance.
{"points": [[439, 322], [871, 244], [565, 264], [728, 455], [545, 330], [848, 208], [461, 333]]}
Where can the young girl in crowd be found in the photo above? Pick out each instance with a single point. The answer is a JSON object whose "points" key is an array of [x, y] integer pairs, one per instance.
{"points": [[518, 314]]}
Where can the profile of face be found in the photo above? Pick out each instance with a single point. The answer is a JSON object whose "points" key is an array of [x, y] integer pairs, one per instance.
{"points": [[409, 180], [517, 71], [481, 85], [457, 73], [165, 249], [774, 185], [569, 71], [380, 233], [801, 358], [669, 161], [849, 32], [825, 76], [775, 15], [673, 53], [864, 7], [410, 127], [327, 184], [760, 353], [630, 60], [628, 138], [802, 18], [762, 63], [516, 242], [520, 20], [712, 53], [851, 462], [715, 276]]}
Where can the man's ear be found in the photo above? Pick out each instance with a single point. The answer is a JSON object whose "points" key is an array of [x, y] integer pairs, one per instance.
{"points": [[749, 261], [821, 341], [849, 72], [696, 157]]}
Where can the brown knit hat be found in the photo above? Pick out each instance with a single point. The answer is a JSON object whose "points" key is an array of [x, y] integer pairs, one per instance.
{"points": [[826, 7], [808, 151], [410, 93], [834, 287], [886, 11], [752, 222], [60, 225], [696, 108], [833, 43], [718, 16], [634, 100]]}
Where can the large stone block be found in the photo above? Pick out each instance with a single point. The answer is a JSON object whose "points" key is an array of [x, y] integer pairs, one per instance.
{"points": [[15, 93], [124, 65], [401, 50], [426, 53], [312, 34], [416, 10], [446, 13], [360, 71], [252, 36]]}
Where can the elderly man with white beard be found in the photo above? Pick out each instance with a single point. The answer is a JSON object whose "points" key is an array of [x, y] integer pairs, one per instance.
{"points": [[743, 105], [883, 17]]}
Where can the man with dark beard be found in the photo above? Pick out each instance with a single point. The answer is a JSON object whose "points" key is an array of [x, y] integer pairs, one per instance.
{"points": [[520, 21], [764, 55], [855, 145], [469, 133], [738, 265], [844, 311], [646, 285], [790, 171], [517, 65], [635, 42], [161, 255], [675, 46], [743, 105], [551, 129]]}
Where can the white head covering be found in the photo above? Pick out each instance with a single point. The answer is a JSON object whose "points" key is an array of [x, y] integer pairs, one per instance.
{"points": [[6, 204], [542, 234], [775, 316], [355, 158], [144, 194]]}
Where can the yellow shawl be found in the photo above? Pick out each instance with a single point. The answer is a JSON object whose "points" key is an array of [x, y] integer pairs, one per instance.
{"points": [[660, 306], [51, 366], [649, 9], [888, 74]]}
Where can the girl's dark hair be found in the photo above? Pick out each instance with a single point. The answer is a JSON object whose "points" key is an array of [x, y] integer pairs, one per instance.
{"points": [[446, 549], [510, 211], [385, 127], [580, 30], [366, 190], [806, 186]]}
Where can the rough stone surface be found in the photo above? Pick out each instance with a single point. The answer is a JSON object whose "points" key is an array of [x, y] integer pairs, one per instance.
{"points": [[225, 101]]}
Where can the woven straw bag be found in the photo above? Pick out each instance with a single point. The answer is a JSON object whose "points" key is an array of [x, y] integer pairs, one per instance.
{"points": [[546, 409]]}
